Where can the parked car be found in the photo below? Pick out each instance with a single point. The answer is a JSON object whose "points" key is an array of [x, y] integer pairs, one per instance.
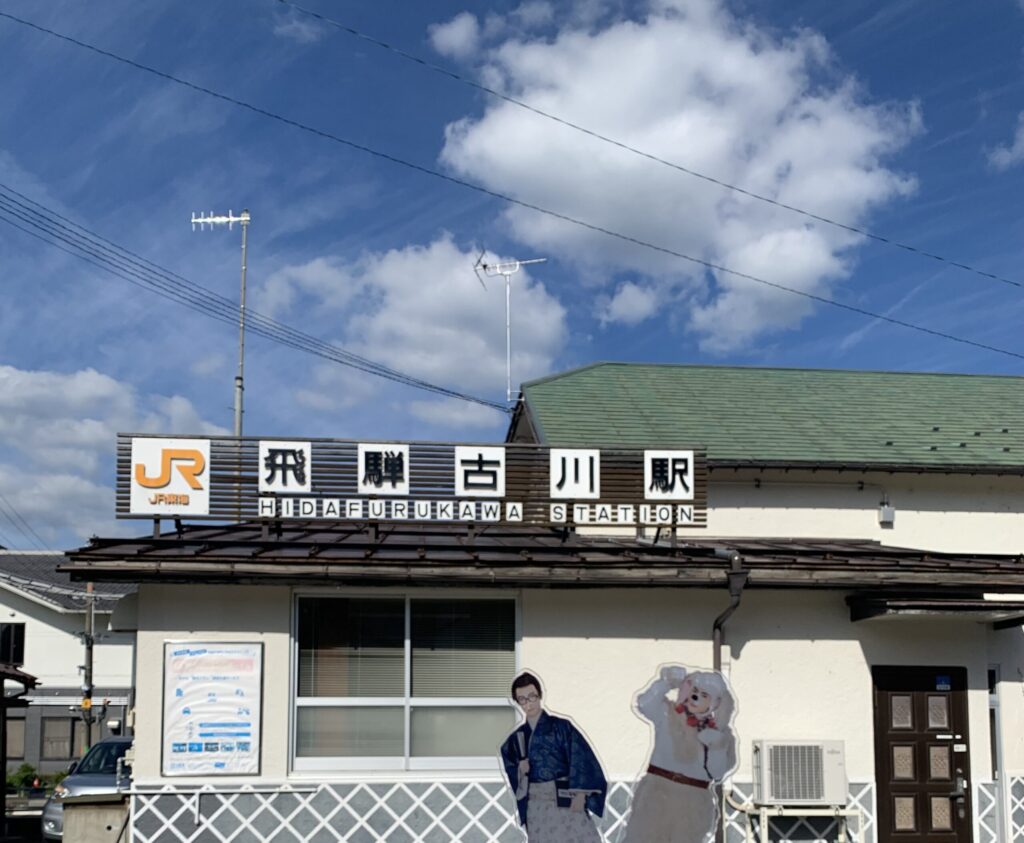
{"points": [[96, 773]]}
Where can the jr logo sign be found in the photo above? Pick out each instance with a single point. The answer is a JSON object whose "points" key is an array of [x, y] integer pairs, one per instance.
{"points": [[170, 476]]}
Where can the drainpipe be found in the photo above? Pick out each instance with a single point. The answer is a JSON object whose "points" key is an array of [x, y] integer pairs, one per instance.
{"points": [[737, 580]]}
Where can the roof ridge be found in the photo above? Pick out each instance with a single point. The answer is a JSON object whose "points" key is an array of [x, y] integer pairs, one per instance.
{"points": [[729, 367]]}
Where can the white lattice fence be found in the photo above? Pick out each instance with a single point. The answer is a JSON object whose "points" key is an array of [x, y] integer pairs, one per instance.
{"points": [[986, 812], [804, 829], [402, 812], [1016, 809]]}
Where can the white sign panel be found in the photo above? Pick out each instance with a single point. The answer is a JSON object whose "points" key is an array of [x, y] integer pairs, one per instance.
{"points": [[383, 469], [285, 467], [668, 475], [212, 708], [575, 473], [479, 471], [170, 477]]}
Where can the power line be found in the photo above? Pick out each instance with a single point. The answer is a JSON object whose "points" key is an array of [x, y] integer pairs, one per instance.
{"points": [[420, 168], [36, 220], [547, 115], [20, 524], [28, 526]]}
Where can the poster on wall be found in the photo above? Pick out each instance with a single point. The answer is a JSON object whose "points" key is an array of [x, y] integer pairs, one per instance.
{"points": [[213, 696]]}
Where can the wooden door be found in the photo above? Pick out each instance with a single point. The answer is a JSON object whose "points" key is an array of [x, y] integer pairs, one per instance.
{"points": [[922, 760]]}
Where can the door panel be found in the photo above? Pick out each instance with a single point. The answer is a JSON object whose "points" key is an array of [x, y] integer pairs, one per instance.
{"points": [[922, 763]]}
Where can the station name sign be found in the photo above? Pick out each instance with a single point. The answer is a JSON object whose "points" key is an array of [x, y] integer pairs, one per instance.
{"points": [[228, 478]]}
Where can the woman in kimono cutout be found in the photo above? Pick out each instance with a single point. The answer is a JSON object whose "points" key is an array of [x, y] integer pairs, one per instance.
{"points": [[555, 775], [694, 747]]}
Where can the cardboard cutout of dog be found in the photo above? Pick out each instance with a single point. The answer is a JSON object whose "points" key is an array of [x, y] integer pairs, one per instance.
{"points": [[693, 747]]}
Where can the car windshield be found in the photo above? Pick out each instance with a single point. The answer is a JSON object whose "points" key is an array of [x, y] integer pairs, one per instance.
{"points": [[102, 758]]}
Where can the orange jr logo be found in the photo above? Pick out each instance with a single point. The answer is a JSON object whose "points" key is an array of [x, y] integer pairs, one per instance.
{"points": [[188, 462]]}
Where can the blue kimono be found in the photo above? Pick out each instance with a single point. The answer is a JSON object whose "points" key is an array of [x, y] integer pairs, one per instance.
{"points": [[556, 750]]}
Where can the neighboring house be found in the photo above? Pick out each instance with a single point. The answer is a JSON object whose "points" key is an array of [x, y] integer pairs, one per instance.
{"points": [[42, 614], [866, 527]]}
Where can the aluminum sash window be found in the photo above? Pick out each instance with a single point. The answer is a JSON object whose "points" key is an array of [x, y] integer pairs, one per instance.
{"points": [[402, 683]]}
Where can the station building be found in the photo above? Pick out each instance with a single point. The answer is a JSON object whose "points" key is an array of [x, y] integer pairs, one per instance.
{"points": [[853, 563]]}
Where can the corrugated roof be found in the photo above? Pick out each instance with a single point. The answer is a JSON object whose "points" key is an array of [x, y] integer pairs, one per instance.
{"points": [[788, 416], [36, 573]]}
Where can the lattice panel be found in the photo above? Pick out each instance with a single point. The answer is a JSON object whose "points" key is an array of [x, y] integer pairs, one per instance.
{"points": [[986, 807], [408, 812], [803, 829], [1017, 809]]}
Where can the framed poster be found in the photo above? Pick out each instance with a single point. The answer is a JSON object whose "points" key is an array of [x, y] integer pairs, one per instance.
{"points": [[213, 701]]}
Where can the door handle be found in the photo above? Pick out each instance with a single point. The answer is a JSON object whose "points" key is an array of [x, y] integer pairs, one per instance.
{"points": [[959, 795]]}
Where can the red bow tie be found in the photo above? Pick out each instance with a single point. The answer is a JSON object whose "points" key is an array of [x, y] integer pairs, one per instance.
{"points": [[694, 720]]}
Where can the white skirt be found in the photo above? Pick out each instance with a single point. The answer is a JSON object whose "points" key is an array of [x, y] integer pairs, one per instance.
{"points": [[547, 823], [665, 811]]}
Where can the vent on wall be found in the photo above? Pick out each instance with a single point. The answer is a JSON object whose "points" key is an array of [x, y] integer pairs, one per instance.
{"points": [[799, 773]]}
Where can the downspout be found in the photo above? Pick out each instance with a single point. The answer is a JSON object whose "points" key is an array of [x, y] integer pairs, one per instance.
{"points": [[737, 580]]}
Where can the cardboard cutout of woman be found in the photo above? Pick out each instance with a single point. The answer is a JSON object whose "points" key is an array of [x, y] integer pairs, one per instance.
{"points": [[693, 747], [554, 773]]}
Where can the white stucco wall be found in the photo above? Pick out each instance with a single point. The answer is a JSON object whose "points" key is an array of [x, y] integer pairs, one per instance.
{"points": [[951, 513], [213, 613], [53, 652], [799, 667]]}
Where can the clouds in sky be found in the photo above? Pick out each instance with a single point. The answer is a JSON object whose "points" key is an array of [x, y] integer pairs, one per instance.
{"points": [[1011, 154], [690, 83], [421, 310], [56, 435]]}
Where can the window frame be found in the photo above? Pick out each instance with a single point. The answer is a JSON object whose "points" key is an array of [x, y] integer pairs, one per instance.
{"points": [[70, 721], [406, 762], [23, 720]]}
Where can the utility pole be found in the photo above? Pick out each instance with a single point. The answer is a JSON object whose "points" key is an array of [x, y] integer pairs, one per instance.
{"points": [[507, 270], [229, 220], [90, 639]]}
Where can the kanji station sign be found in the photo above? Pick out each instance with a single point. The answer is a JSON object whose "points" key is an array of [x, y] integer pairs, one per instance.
{"points": [[225, 478]]}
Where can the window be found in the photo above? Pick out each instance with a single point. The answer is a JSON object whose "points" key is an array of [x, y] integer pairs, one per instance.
{"points": [[403, 682], [12, 644], [65, 738], [15, 738], [56, 738]]}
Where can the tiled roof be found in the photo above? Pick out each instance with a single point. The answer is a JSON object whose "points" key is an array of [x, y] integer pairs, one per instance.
{"points": [[788, 416], [36, 573]]}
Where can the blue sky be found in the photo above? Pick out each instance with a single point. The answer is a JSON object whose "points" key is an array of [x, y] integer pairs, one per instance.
{"points": [[901, 117]]}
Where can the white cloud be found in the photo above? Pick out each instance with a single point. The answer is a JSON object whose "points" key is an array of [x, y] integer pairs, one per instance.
{"points": [[458, 38], [630, 305], [1004, 157], [536, 13], [453, 413], [692, 84], [421, 310], [298, 28], [57, 439]]}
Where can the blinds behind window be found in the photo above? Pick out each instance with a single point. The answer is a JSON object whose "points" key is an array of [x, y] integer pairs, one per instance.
{"points": [[351, 647], [462, 648]]}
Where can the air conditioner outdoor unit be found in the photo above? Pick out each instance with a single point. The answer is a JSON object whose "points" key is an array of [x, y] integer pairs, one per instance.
{"points": [[799, 773]]}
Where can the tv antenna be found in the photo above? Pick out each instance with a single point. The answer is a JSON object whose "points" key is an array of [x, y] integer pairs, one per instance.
{"points": [[229, 221], [506, 269]]}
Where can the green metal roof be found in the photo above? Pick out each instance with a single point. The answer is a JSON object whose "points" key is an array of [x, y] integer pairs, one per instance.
{"points": [[788, 416]]}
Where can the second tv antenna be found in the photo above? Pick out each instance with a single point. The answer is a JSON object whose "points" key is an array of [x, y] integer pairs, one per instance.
{"points": [[506, 269]]}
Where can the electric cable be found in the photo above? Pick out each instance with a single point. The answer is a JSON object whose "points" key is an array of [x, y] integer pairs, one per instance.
{"points": [[18, 515], [426, 170], [13, 517], [451, 74], [106, 255]]}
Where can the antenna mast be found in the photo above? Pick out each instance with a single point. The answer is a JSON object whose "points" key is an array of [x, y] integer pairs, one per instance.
{"points": [[506, 269], [229, 221]]}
